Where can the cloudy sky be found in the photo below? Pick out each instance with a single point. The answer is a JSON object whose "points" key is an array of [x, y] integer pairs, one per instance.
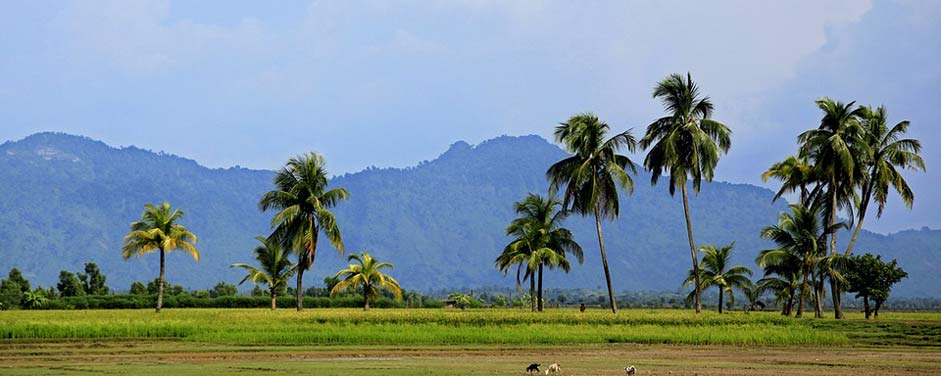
{"points": [[393, 83]]}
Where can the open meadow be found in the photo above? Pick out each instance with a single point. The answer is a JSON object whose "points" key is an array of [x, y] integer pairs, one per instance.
{"points": [[441, 341]]}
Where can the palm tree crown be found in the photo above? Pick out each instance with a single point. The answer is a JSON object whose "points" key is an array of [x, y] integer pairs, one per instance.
{"points": [[275, 268], [158, 230], [716, 272], [366, 273], [593, 174], [539, 240], [303, 203]]}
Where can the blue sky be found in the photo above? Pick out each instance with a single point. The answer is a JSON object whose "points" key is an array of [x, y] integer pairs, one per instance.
{"points": [[393, 83]]}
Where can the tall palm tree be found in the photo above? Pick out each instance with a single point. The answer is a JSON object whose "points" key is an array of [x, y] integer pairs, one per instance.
{"points": [[716, 272], [795, 173], [518, 253], [800, 235], [276, 268], [366, 273], [889, 153], [835, 148], [592, 175], [539, 241], [685, 144], [158, 230], [303, 203]]}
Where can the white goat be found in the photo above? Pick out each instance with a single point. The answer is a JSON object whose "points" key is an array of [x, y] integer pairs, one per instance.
{"points": [[553, 368]]}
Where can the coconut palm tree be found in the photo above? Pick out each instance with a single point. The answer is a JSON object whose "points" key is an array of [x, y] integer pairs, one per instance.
{"points": [[835, 148], [795, 174], [158, 230], [276, 268], [303, 203], [366, 273], [685, 144], [716, 272], [784, 287], [518, 253], [889, 154], [593, 174], [539, 241], [800, 235]]}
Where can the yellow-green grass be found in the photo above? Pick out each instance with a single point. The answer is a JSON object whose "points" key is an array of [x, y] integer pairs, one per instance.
{"points": [[453, 327]]}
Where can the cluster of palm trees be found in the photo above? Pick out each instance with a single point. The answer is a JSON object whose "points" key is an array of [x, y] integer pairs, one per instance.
{"points": [[850, 160], [303, 202], [685, 144]]}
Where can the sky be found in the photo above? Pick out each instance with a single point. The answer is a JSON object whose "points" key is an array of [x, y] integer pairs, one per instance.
{"points": [[392, 83]]}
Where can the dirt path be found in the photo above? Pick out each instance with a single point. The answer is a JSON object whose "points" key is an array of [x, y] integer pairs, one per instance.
{"points": [[194, 359]]}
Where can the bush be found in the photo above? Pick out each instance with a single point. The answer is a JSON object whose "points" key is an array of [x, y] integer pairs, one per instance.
{"points": [[127, 301]]}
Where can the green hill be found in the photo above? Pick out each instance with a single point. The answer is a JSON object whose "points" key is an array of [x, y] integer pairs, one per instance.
{"points": [[66, 200]]}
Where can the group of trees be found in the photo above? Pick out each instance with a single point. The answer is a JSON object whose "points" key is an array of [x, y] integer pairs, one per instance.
{"points": [[685, 144], [303, 205], [853, 158], [15, 290]]}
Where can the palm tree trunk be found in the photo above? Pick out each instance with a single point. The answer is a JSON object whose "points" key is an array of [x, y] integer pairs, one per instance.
{"points": [[300, 288], [365, 299], [790, 304], [863, 205], [818, 298], [532, 292], [274, 299], [692, 250], [160, 283], [539, 301], [834, 286], [720, 300], [604, 262], [800, 302]]}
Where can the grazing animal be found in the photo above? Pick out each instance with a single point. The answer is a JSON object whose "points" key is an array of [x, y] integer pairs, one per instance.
{"points": [[630, 370], [533, 368], [553, 368]]}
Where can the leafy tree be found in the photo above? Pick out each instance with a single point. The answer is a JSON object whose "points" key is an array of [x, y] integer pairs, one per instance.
{"points": [[366, 274], [801, 239], [304, 203], [872, 279], [93, 281], [592, 175], [717, 272], [835, 148], [686, 144], [888, 154], [329, 282], [16, 276], [69, 285], [170, 289], [275, 271], [158, 230], [257, 291], [223, 289], [539, 240], [10, 294], [464, 301], [138, 288]]}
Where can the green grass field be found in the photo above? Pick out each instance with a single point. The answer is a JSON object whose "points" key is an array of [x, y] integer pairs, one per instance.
{"points": [[207, 341]]}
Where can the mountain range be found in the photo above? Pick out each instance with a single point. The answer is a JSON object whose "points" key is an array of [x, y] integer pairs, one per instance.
{"points": [[66, 200]]}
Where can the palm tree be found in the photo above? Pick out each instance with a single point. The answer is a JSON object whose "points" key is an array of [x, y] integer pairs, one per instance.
{"points": [[799, 236], [784, 288], [366, 274], [539, 241], [795, 174], [519, 253], [889, 153], [716, 272], [592, 175], [304, 206], [835, 148], [276, 269], [158, 230], [685, 144]]}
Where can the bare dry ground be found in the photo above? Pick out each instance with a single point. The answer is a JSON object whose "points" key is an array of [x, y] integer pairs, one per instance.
{"points": [[176, 358]]}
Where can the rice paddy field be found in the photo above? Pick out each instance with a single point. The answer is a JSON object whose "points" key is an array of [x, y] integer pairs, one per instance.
{"points": [[442, 341]]}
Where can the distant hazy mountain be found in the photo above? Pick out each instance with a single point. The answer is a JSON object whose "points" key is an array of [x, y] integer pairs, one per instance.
{"points": [[66, 200]]}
